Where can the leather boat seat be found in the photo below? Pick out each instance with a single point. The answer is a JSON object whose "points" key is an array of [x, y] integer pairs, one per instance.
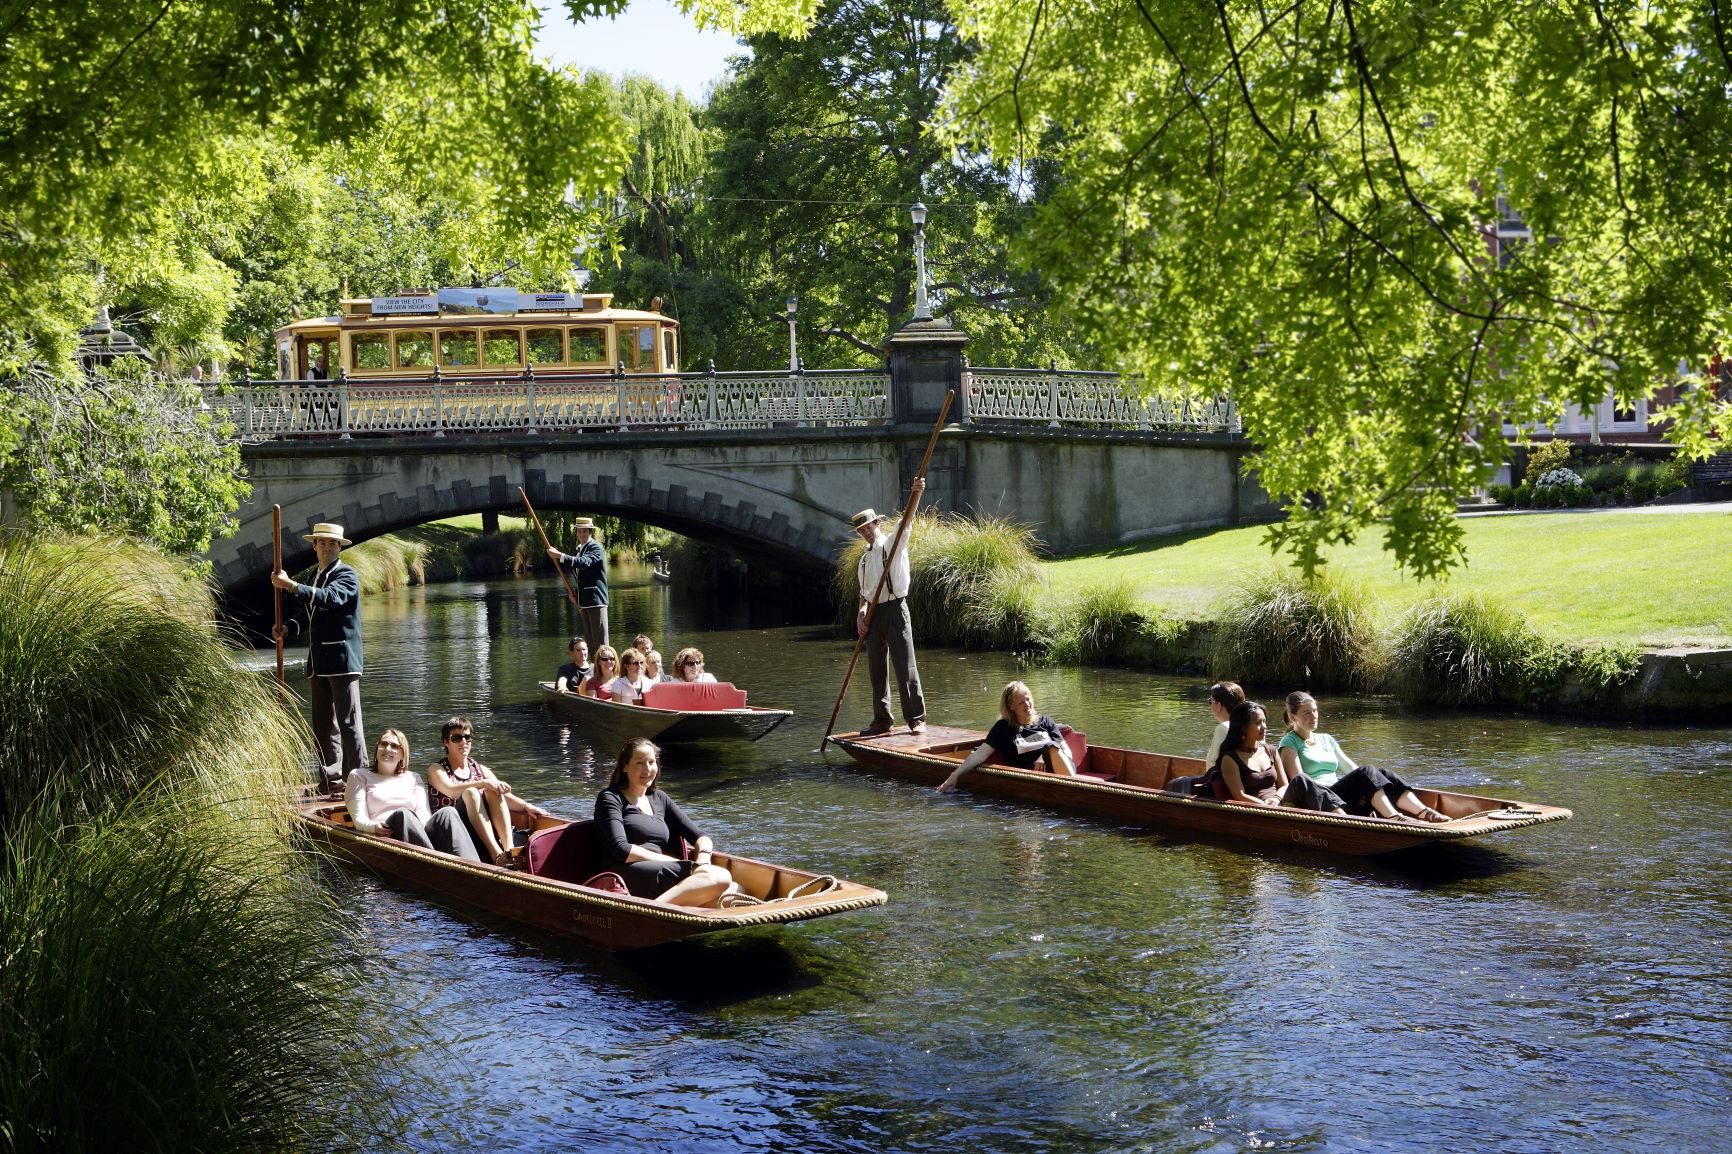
{"points": [[566, 853], [695, 697]]}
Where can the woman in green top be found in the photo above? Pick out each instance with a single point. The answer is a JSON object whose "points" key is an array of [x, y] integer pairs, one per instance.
{"points": [[1321, 776]]}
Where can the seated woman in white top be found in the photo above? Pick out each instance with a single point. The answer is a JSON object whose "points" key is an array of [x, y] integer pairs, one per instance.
{"points": [[631, 684], [652, 668], [391, 799], [1223, 696], [689, 666]]}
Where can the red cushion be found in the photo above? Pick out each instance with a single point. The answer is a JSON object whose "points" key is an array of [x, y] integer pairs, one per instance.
{"points": [[691, 696], [567, 853]]}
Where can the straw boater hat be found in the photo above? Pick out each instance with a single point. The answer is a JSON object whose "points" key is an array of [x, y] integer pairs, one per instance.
{"points": [[329, 531], [864, 518], [583, 523]]}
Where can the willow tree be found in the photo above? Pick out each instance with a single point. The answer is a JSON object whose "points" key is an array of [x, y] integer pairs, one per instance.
{"points": [[1296, 202]]}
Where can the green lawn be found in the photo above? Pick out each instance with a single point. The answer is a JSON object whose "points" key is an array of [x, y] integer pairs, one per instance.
{"points": [[1654, 579]]}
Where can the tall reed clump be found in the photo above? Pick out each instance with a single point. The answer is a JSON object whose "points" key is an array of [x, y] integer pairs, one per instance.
{"points": [[175, 977], [1461, 649], [389, 562], [974, 582], [1098, 625], [1278, 629]]}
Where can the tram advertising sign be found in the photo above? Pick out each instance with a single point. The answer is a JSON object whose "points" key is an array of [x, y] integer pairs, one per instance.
{"points": [[406, 304], [477, 302], [550, 302]]}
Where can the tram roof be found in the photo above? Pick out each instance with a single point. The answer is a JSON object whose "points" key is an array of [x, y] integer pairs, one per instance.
{"points": [[352, 318]]}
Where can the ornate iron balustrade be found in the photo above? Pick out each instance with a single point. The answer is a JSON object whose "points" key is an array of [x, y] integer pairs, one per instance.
{"points": [[523, 403], [441, 406], [1065, 397]]}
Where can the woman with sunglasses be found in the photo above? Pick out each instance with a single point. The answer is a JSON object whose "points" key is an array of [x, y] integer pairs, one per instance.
{"points": [[606, 671], [390, 799], [689, 666], [479, 797], [631, 684]]}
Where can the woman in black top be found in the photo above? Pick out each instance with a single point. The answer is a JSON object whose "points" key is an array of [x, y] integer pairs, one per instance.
{"points": [[1023, 738], [641, 829]]}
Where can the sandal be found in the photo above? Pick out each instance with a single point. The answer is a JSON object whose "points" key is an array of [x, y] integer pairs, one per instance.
{"points": [[1426, 813]]}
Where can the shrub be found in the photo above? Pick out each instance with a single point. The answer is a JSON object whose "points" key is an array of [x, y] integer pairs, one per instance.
{"points": [[1459, 649], [1277, 629], [1559, 479], [1502, 494], [175, 977], [1546, 456]]}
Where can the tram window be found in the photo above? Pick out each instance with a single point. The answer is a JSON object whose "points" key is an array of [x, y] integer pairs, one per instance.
{"points": [[370, 351], [588, 346], [457, 349], [670, 363], [414, 350], [637, 344], [545, 347], [284, 372], [503, 349]]}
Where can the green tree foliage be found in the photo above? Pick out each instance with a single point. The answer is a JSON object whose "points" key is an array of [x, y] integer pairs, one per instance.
{"points": [[822, 143], [1295, 203]]}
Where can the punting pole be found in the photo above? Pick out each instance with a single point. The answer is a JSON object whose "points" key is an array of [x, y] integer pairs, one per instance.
{"points": [[895, 543], [546, 544], [277, 595]]}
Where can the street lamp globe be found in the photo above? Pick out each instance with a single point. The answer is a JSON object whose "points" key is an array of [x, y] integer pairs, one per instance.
{"points": [[918, 212]]}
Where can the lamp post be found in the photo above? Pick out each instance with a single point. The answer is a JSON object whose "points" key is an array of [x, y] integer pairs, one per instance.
{"points": [[793, 339], [922, 306]]}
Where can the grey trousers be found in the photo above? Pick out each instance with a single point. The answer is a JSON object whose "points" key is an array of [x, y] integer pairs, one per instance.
{"points": [[445, 832], [891, 635], [341, 743], [594, 627]]}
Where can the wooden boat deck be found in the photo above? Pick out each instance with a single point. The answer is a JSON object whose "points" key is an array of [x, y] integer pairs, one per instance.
{"points": [[1127, 785]]}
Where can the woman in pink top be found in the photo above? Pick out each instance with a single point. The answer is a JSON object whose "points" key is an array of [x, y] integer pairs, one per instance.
{"points": [[606, 670]]}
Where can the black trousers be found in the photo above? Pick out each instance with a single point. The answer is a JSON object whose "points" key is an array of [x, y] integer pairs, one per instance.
{"points": [[340, 740], [1352, 793], [890, 641], [446, 832]]}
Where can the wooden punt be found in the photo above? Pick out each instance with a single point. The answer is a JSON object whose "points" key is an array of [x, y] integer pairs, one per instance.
{"points": [[1125, 786], [552, 898], [617, 722]]}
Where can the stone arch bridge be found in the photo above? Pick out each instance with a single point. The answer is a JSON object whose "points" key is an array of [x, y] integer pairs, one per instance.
{"points": [[772, 466]]}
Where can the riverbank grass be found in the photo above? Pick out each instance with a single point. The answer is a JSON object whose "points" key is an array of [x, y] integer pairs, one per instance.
{"points": [[1649, 579]]}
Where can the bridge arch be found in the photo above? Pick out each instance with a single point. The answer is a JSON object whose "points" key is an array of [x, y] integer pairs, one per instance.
{"points": [[786, 495]]}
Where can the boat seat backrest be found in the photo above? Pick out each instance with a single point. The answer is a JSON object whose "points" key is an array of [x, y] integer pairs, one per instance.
{"points": [[566, 853], [695, 696]]}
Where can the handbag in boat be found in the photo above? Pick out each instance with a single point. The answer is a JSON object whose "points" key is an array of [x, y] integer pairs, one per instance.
{"points": [[608, 882]]}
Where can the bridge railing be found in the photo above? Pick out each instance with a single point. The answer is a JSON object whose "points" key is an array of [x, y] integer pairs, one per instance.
{"points": [[1058, 397], [524, 403]]}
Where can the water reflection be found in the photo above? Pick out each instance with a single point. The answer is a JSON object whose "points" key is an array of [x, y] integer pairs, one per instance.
{"points": [[1041, 982]]}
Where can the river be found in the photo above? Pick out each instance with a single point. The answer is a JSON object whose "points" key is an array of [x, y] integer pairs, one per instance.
{"points": [[1041, 982]]}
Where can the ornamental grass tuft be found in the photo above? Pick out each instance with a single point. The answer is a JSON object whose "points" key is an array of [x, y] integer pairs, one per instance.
{"points": [[1277, 629], [1098, 625], [175, 977], [1462, 649]]}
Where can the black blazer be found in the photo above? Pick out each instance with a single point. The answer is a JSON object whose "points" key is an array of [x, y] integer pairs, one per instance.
{"points": [[333, 625]]}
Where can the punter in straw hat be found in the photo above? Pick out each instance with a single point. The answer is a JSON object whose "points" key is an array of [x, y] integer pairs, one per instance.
{"points": [[889, 636], [588, 567], [332, 607]]}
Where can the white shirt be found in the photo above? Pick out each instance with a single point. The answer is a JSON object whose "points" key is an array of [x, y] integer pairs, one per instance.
{"points": [[1215, 743], [373, 797], [872, 567], [628, 691]]}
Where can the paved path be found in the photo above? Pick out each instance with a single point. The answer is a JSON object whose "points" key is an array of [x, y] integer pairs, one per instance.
{"points": [[1698, 507]]}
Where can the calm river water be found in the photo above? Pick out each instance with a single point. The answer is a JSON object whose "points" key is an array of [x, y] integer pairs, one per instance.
{"points": [[1044, 982]]}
